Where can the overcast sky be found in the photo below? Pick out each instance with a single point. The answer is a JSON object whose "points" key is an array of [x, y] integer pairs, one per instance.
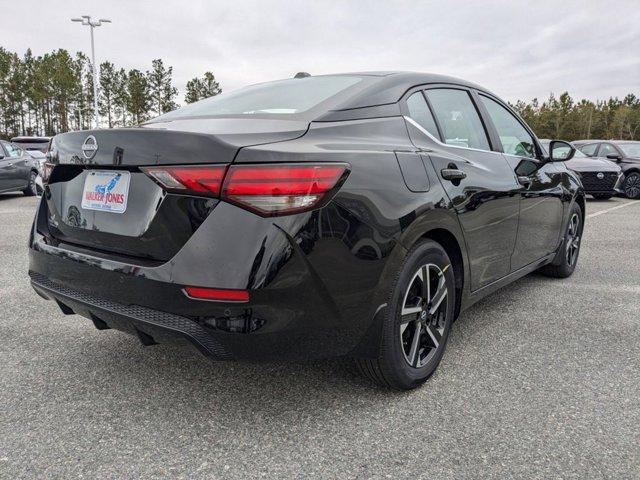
{"points": [[519, 50]]}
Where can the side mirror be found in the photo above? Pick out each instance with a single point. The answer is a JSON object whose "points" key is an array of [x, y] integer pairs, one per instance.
{"points": [[1, 156], [560, 151], [614, 156]]}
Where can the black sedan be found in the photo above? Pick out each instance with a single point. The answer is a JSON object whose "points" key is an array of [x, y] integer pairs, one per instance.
{"points": [[340, 215], [625, 153], [600, 177], [18, 169]]}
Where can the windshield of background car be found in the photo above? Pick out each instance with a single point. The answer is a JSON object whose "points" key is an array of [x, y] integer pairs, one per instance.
{"points": [[280, 98], [630, 149]]}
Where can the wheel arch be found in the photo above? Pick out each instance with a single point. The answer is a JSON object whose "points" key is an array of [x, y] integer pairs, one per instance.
{"points": [[580, 200], [450, 243]]}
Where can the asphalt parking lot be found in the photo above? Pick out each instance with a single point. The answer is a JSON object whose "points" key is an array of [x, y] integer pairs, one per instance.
{"points": [[540, 380]]}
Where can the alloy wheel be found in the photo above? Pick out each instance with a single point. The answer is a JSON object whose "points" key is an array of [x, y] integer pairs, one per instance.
{"points": [[32, 183], [423, 315], [573, 240], [632, 186]]}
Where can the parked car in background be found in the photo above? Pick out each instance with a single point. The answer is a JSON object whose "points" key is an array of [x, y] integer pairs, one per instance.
{"points": [[40, 159], [32, 143], [339, 215], [625, 153], [601, 178], [18, 170]]}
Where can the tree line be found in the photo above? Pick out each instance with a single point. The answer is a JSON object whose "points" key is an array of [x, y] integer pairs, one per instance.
{"points": [[564, 118], [53, 93]]}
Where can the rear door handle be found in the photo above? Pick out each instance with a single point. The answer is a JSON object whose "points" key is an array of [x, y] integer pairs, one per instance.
{"points": [[524, 181], [452, 174]]}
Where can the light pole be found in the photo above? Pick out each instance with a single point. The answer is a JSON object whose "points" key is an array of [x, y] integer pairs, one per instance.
{"points": [[86, 20]]}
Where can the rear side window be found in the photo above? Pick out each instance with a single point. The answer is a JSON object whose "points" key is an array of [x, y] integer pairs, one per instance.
{"points": [[590, 149], [458, 119], [515, 139], [420, 112]]}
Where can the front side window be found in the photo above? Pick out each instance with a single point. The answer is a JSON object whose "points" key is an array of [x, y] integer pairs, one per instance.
{"points": [[607, 149], [10, 149], [458, 119], [589, 150], [420, 112], [515, 139], [13, 151]]}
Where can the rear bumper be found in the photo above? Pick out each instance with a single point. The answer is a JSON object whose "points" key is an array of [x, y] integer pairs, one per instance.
{"points": [[151, 326], [285, 325], [307, 300]]}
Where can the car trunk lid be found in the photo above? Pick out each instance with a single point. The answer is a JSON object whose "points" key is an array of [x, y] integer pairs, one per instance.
{"points": [[153, 224]]}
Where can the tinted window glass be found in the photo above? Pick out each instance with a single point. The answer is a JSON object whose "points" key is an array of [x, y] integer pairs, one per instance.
{"points": [[13, 151], [420, 112], [590, 149], [607, 149], [284, 97], [514, 137], [458, 118]]}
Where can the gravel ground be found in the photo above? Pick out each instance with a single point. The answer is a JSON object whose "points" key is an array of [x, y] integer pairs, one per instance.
{"points": [[540, 380]]}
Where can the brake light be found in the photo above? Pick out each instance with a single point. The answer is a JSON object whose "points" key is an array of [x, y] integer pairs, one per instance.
{"points": [[199, 179], [273, 189], [217, 294], [281, 188]]}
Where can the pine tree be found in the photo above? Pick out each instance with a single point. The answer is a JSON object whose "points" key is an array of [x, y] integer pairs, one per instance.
{"points": [[138, 96], [199, 89], [107, 91], [161, 91]]}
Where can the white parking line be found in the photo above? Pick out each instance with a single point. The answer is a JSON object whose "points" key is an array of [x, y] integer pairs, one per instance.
{"points": [[602, 212]]}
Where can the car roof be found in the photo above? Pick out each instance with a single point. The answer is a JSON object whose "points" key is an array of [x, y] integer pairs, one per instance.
{"points": [[391, 86], [30, 139], [615, 142]]}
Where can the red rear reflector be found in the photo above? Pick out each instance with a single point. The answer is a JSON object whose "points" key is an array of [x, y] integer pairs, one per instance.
{"points": [[217, 294], [202, 180], [281, 188]]}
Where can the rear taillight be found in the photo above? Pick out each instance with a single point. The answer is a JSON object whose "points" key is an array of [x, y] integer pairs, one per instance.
{"points": [[274, 189], [280, 189], [199, 179]]}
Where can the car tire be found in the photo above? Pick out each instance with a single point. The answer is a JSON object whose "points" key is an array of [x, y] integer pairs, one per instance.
{"points": [[631, 185], [32, 188], [411, 349], [602, 196], [566, 260]]}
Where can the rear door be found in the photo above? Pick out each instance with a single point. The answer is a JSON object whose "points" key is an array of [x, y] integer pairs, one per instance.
{"points": [[5, 169], [12, 166], [540, 188], [485, 201]]}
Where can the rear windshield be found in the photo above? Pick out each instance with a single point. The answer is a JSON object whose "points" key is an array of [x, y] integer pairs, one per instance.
{"points": [[283, 97]]}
